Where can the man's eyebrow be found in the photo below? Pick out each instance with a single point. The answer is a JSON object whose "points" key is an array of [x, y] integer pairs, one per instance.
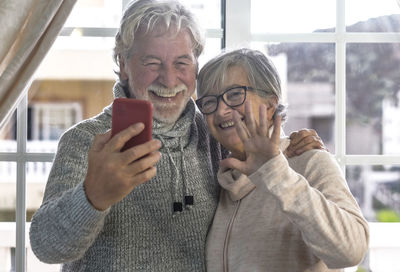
{"points": [[147, 57], [188, 57]]}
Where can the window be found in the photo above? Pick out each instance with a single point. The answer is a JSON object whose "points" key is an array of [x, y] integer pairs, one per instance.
{"points": [[49, 120], [339, 64], [74, 82]]}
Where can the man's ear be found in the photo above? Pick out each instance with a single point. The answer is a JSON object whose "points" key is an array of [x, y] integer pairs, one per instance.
{"points": [[122, 71]]}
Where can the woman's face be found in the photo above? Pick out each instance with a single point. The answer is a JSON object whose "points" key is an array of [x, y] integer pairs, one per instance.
{"points": [[221, 122]]}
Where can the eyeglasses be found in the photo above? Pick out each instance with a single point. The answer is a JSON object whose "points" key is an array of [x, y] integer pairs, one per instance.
{"points": [[232, 97]]}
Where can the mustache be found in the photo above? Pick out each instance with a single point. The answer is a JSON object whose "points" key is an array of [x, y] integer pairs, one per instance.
{"points": [[162, 90]]}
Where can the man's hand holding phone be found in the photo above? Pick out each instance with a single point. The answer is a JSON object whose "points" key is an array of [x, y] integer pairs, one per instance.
{"points": [[114, 171]]}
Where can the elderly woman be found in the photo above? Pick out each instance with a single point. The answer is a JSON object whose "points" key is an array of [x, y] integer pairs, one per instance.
{"points": [[275, 213]]}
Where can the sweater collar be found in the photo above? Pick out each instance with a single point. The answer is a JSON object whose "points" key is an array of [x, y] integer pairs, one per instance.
{"points": [[239, 185]]}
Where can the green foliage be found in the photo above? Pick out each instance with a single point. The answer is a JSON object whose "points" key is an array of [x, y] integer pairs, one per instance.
{"points": [[360, 269], [387, 216]]}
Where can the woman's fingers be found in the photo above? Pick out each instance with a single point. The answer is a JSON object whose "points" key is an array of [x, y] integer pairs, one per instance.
{"points": [[240, 126], [263, 123], [249, 118], [234, 164], [277, 129]]}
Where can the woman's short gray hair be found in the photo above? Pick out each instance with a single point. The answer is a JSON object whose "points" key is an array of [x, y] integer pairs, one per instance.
{"points": [[261, 74], [149, 14]]}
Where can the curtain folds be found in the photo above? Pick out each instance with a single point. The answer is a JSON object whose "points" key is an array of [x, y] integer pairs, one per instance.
{"points": [[29, 28]]}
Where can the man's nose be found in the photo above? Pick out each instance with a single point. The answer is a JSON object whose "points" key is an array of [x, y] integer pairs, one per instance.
{"points": [[169, 77]]}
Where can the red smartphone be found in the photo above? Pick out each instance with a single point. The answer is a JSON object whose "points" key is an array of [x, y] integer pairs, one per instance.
{"points": [[128, 111]]}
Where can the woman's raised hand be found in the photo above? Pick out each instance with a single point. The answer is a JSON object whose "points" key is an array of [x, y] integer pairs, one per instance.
{"points": [[259, 147]]}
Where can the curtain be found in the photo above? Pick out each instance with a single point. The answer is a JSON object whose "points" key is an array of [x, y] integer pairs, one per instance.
{"points": [[28, 30]]}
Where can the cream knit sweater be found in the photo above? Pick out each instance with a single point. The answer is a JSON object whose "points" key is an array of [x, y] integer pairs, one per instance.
{"points": [[291, 215]]}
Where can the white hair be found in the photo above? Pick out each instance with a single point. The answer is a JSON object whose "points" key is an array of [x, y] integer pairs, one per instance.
{"points": [[146, 15]]}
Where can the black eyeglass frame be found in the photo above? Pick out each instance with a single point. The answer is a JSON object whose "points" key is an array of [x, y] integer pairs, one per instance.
{"points": [[221, 97]]}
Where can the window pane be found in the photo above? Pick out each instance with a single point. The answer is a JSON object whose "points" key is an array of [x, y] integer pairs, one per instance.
{"points": [[8, 172], [372, 82], [60, 98], [108, 13], [208, 12], [307, 72], [81, 57], [8, 134], [372, 16], [95, 13], [7, 215], [290, 16], [377, 191], [212, 48]]}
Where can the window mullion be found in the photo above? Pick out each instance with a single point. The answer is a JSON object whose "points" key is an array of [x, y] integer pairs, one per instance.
{"points": [[372, 160], [22, 124], [340, 92]]}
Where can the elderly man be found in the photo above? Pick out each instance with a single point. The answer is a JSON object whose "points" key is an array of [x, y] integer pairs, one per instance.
{"points": [[107, 210]]}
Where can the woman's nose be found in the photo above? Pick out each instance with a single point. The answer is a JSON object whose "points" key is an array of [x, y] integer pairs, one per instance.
{"points": [[222, 108]]}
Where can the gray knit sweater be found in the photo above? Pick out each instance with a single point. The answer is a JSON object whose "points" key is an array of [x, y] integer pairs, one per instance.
{"points": [[141, 232]]}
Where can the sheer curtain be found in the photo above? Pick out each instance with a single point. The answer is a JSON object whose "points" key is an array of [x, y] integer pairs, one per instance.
{"points": [[28, 30]]}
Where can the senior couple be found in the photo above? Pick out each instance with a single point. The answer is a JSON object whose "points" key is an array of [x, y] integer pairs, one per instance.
{"points": [[220, 190]]}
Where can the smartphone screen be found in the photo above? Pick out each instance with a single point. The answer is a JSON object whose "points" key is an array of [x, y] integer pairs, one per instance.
{"points": [[128, 111]]}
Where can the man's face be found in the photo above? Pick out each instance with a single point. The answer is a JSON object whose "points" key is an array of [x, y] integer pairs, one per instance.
{"points": [[162, 69]]}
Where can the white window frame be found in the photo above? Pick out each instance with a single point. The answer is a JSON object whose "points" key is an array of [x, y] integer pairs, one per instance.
{"points": [[236, 32]]}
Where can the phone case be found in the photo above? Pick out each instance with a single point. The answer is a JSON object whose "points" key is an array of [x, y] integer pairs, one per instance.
{"points": [[126, 112]]}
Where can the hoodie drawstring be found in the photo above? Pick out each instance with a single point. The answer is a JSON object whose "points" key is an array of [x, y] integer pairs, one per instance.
{"points": [[188, 197], [177, 205]]}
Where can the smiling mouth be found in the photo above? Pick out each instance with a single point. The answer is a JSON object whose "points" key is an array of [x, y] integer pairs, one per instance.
{"points": [[228, 124], [165, 95]]}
